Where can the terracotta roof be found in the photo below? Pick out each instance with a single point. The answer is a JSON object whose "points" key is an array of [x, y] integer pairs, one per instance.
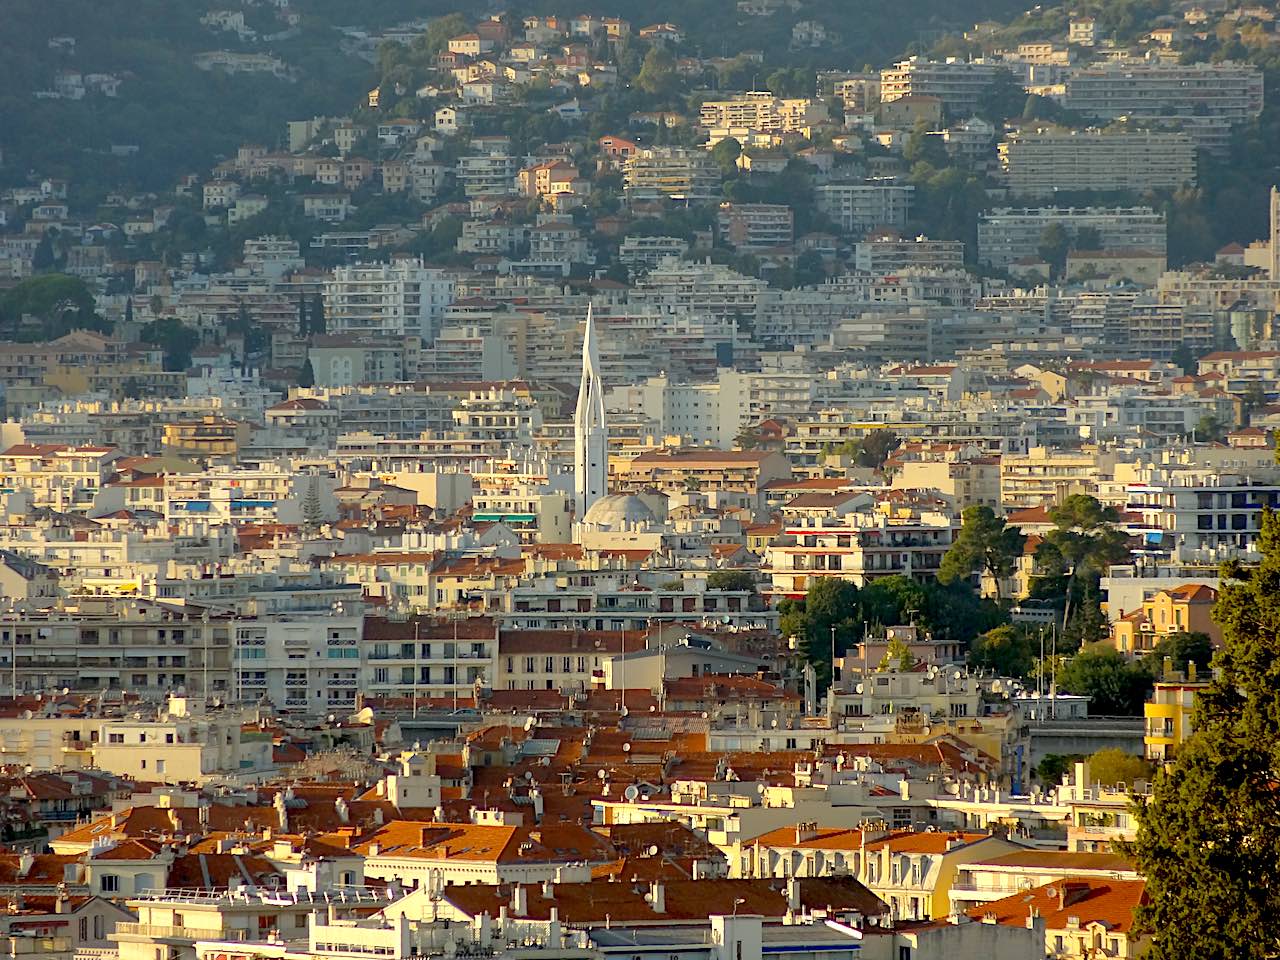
{"points": [[683, 899], [1111, 903]]}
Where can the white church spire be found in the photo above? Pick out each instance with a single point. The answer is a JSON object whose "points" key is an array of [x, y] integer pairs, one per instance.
{"points": [[590, 437]]}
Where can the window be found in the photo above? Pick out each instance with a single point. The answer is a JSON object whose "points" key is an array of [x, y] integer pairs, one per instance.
{"points": [[82, 929], [110, 883]]}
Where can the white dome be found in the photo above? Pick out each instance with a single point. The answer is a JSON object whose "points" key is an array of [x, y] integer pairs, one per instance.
{"points": [[619, 512]]}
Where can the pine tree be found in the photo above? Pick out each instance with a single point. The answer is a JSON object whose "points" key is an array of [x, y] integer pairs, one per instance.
{"points": [[985, 544], [312, 511], [128, 310], [1208, 839], [318, 323], [307, 375]]}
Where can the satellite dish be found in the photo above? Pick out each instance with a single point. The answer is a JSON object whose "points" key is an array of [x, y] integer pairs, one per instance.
{"points": [[653, 850], [601, 774], [859, 688], [626, 748], [631, 793]]}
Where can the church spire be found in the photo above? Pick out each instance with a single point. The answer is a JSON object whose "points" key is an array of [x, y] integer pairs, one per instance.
{"points": [[590, 437]]}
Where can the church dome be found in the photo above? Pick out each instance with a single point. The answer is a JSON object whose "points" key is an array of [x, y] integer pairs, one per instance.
{"points": [[619, 512]]}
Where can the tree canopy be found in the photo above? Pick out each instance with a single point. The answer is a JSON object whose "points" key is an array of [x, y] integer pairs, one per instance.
{"points": [[985, 544], [1208, 838]]}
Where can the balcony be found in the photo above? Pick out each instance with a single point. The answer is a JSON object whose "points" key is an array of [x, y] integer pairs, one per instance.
{"points": [[156, 931]]}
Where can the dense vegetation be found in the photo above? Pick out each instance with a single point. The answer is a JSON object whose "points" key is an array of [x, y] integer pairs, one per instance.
{"points": [[1208, 838]]}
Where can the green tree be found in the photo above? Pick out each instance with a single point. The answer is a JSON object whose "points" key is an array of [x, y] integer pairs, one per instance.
{"points": [[731, 580], [1185, 359], [1209, 429], [985, 544], [726, 154], [1079, 548], [1054, 244], [874, 449], [318, 325], [312, 511], [1053, 766], [1182, 648], [830, 604], [175, 337], [897, 656], [1009, 650], [1111, 766], [1087, 238], [657, 75], [307, 374], [1208, 837], [1114, 686], [56, 302]]}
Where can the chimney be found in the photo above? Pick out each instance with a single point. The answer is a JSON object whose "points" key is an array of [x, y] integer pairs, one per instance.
{"points": [[342, 810], [658, 897], [26, 860], [548, 890], [374, 849], [519, 900], [793, 894]]}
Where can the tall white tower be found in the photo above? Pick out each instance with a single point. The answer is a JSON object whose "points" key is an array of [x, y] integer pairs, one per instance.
{"points": [[590, 437]]}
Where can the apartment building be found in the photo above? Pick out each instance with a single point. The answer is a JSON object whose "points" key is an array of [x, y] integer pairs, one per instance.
{"points": [[959, 84], [680, 173], [744, 472], [1205, 99], [858, 207], [145, 647], [756, 226], [1045, 476], [858, 547], [1167, 716], [859, 93], [487, 174], [1209, 515], [580, 601], [1007, 235], [310, 664], [892, 254], [761, 110], [56, 476], [398, 299], [1041, 163], [428, 657]]}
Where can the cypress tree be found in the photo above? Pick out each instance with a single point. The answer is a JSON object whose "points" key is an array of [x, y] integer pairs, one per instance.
{"points": [[1208, 838]]}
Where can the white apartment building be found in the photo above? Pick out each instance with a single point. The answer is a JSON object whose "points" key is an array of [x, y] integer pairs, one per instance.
{"points": [[1041, 163], [892, 255], [761, 110], [959, 84], [680, 173], [1206, 99], [1007, 235], [1201, 515], [487, 174], [310, 664], [263, 494], [858, 547], [857, 207], [756, 226], [398, 299], [645, 253]]}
